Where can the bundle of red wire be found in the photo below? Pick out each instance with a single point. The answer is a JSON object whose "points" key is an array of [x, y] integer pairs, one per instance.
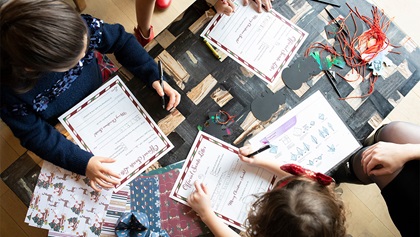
{"points": [[358, 50]]}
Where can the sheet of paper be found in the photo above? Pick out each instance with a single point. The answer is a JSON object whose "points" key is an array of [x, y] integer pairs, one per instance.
{"points": [[264, 42], [231, 182], [311, 135], [112, 123], [64, 203], [120, 203]]}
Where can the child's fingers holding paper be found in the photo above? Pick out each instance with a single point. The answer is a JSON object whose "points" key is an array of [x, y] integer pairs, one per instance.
{"points": [[204, 188], [231, 5], [267, 4]]}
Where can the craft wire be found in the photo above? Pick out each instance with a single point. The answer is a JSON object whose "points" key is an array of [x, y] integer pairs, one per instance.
{"points": [[378, 25]]}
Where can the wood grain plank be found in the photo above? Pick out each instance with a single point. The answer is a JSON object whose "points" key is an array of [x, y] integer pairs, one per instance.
{"points": [[174, 69], [221, 97], [3, 188], [17, 212], [165, 38], [170, 122], [203, 20], [368, 202], [198, 93], [8, 155], [11, 140], [9, 227]]}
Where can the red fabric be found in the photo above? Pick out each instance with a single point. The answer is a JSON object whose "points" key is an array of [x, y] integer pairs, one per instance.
{"points": [[300, 171], [106, 66], [176, 218]]}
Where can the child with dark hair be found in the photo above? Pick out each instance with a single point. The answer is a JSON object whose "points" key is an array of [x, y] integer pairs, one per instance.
{"points": [[303, 203], [48, 65]]}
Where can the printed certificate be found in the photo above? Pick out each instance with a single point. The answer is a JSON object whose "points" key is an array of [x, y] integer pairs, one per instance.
{"points": [[311, 135], [264, 42], [230, 181], [112, 123]]}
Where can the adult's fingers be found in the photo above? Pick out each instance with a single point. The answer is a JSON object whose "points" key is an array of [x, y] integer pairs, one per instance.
{"points": [[366, 157]]}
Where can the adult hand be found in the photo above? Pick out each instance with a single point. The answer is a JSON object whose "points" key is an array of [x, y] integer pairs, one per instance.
{"points": [[99, 174], [174, 96], [199, 200], [226, 7], [266, 4], [384, 158]]}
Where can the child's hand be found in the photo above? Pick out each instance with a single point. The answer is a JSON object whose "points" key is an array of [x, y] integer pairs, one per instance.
{"points": [[225, 6], [266, 4], [256, 160], [98, 174], [174, 96], [199, 200]]}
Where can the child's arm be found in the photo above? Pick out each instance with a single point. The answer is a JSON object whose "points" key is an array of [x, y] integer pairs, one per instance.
{"points": [[261, 161], [98, 174], [199, 201]]}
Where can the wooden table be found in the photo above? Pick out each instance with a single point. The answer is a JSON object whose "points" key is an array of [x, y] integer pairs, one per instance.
{"points": [[207, 84]]}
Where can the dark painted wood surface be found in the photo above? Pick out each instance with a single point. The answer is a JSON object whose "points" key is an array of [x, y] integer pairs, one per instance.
{"points": [[361, 118], [196, 63]]}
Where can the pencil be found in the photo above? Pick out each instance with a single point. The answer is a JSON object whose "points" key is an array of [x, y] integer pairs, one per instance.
{"points": [[332, 80], [259, 150], [212, 49], [161, 82], [325, 2]]}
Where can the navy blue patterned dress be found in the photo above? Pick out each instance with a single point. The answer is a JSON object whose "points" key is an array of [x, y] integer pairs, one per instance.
{"points": [[32, 115]]}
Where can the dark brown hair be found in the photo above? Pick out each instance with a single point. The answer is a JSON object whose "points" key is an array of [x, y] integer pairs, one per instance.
{"points": [[301, 208], [38, 36]]}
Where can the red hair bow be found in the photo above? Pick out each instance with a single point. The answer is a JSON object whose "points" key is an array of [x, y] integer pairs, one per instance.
{"points": [[300, 171]]}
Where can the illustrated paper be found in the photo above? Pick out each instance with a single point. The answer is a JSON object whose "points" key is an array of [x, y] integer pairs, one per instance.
{"points": [[311, 135]]}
